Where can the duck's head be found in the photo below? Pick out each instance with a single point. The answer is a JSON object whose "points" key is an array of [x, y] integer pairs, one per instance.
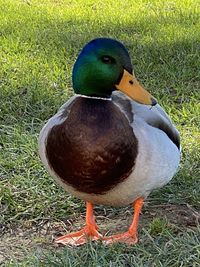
{"points": [[103, 66]]}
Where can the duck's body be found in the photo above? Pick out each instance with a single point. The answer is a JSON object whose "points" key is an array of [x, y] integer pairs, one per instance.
{"points": [[108, 149], [121, 154]]}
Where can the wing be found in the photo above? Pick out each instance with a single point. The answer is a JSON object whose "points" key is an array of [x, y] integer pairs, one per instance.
{"points": [[154, 116]]}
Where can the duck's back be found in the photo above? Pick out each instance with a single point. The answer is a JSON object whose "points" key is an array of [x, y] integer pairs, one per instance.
{"points": [[93, 147]]}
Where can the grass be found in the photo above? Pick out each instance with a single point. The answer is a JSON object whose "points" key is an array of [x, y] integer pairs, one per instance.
{"points": [[39, 43], [167, 250]]}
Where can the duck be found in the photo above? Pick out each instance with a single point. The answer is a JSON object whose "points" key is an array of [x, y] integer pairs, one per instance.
{"points": [[111, 143]]}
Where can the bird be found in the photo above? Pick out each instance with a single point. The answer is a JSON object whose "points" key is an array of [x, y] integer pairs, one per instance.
{"points": [[111, 143]]}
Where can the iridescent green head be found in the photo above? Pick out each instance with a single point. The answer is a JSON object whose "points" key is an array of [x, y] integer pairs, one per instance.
{"points": [[103, 66], [99, 67]]}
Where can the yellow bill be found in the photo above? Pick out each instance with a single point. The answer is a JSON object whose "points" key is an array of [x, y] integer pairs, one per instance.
{"points": [[131, 87]]}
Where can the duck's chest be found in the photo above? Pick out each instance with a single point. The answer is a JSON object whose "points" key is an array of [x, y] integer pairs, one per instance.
{"points": [[94, 148]]}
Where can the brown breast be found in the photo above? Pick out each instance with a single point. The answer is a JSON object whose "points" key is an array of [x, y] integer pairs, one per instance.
{"points": [[94, 148]]}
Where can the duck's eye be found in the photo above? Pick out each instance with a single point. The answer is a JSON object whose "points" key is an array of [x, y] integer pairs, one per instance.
{"points": [[107, 59]]}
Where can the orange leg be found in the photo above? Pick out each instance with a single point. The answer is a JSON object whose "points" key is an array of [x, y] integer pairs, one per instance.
{"points": [[82, 236], [129, 237]]}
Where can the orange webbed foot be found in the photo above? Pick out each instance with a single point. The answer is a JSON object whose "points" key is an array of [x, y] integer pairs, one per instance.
{"points": [[126, 238], [89, 232], [129, 237], [79, 238]]}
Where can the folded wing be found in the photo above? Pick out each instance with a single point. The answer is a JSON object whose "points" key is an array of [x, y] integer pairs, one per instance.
{"points": [[152, 115]]}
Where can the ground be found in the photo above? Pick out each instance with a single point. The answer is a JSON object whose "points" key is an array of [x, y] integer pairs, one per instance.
{"points": [[39, 42], [39, 236]]}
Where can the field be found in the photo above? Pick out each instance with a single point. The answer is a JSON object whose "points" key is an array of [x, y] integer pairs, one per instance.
{"points": [[39, 42]]}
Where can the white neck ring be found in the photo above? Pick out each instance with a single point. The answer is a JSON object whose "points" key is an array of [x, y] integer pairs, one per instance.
{"points": [[94, 97]]}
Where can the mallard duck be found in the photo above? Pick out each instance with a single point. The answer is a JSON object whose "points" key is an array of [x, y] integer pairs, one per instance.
{"points": [[111, 143]]}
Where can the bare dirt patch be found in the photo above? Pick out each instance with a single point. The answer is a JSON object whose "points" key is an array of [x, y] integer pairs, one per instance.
{"points": [[18, 242]]}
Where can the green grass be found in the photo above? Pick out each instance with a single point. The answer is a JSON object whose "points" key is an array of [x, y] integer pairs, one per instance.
{"points": [[166, 250], [39, 43]]}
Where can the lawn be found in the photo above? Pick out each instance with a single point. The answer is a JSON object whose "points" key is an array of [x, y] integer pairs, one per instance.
{"points": [[39, 43]]}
